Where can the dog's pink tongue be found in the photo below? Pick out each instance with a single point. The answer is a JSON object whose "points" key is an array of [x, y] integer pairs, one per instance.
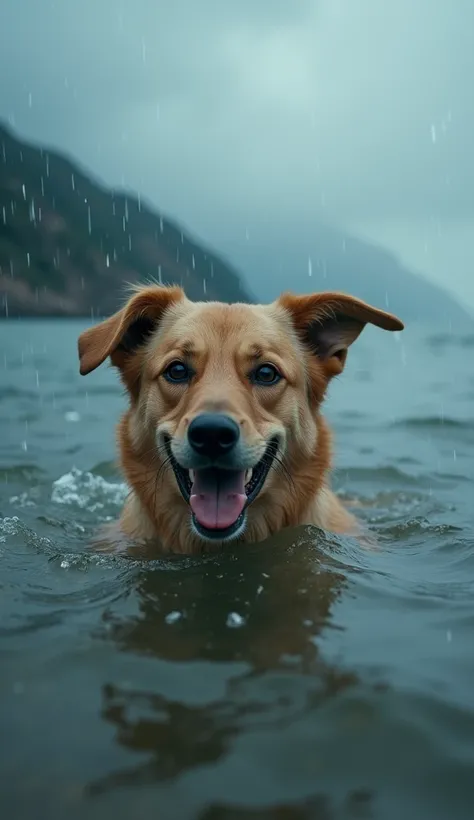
{"points": [[217, 498]]}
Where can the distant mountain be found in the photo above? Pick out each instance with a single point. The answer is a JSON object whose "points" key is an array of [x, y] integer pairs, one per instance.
{"points": [[68, 246], [320, 257]]}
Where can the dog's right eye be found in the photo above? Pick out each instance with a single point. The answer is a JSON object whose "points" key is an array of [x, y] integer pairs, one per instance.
{"points": [[177, 372]]}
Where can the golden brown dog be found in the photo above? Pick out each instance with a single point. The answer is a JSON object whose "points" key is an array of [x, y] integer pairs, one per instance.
{"points": [[224, 438]]}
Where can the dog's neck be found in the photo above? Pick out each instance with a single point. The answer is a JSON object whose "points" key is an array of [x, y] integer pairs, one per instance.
{"points": [[156, 512]]}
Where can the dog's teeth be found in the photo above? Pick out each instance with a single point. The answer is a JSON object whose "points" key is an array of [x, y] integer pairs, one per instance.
{"points": [[248, 476]]}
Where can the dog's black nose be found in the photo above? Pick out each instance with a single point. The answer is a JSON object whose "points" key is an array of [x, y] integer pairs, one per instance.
{"points": [[213, 434]]}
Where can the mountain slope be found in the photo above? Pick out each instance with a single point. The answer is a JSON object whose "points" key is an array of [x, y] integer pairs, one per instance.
{"points": [[68, 246], [323, 258]]}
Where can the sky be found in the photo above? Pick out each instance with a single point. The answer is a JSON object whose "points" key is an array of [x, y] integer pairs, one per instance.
{"points": [[235, 116]]}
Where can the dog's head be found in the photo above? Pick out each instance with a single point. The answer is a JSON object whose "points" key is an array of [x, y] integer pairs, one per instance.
{"points": [[224, 393]]}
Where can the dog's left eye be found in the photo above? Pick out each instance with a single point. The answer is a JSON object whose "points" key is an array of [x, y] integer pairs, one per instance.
{"points": [[177, 372], [266, 374]]}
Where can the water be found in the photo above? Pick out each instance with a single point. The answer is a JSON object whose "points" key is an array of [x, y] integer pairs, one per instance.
{"points": [[302, 678]]}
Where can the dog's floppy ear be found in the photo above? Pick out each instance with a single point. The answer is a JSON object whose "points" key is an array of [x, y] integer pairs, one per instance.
{"points": [[122, 333], [328, 323]]}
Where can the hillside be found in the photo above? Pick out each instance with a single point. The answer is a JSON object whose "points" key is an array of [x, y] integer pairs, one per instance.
{"points": [[321, 257], [68, 245]]}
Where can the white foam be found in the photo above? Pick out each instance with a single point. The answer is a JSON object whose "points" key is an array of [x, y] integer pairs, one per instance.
{"points": [[9, 526], [87, 491], [234, 620], [22, 500], [173, 617]]}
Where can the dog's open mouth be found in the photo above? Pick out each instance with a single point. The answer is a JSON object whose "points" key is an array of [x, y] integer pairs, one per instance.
{"points": [[219, 498]]}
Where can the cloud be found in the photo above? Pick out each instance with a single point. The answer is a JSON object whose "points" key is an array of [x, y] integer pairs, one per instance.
{"points": [[254, 111]]}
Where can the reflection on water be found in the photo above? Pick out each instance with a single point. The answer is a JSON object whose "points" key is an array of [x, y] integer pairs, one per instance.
{"points": [[304, 677], [280, 600]]}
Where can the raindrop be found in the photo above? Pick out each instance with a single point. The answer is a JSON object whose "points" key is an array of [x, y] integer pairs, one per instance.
{"points": [[193, 262], [4, 153], [130, 242], [47, 165], [234, 620], [182, 238], [177, 254], [32, 211], [310, 266], [23, 190], [204, 287], [107, 261], [139, 203], [113, 207], [42, 186], [212, 270], [30, 100], [159, 275], [433, 134], [73, 182], [28, 259], [4, 212], [161, 224], [89, 220], [126, 209], [123, 224]]}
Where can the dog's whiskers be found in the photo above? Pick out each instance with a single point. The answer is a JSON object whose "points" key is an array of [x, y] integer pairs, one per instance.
{"points": [[277, 464]]}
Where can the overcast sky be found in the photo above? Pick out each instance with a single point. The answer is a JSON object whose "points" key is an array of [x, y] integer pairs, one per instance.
{"points": [[229, 114]]}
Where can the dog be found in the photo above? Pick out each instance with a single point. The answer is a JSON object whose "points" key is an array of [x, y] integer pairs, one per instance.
{"points": [[224, 439]]}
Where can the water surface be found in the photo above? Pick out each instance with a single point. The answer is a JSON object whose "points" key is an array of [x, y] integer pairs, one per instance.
{"points": [[300, 678]]}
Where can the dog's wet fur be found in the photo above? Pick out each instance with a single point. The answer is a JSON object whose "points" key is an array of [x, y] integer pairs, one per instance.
{"points": [[224, 440]]}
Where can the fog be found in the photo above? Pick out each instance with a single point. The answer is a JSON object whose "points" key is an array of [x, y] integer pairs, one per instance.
{"points": [[261, 116]]}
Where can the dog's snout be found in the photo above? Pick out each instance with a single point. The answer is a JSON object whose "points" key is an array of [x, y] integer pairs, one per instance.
{"points": [[213, 434]]}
